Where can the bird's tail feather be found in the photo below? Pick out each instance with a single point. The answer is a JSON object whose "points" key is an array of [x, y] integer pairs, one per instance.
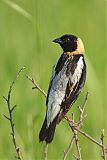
{"points": [[47, 133]]}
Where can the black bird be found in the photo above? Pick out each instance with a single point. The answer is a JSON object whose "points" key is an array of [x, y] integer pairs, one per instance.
{"points": [[67, 81]]}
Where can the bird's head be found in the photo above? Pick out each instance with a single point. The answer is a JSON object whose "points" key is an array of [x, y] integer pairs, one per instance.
{"points": [[70, 43]]}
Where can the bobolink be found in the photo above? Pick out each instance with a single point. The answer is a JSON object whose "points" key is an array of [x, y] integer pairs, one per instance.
{"points": [[67, 81]]}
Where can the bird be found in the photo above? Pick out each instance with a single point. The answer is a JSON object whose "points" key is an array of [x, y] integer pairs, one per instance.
{"points": [[66, 83]]}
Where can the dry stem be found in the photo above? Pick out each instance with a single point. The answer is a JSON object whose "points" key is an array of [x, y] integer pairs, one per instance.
{"points": [[46, 152], [103, 148], [10, 111], [36, 85], [77, 145], [79, 123], [76, 139], [68, 148]]}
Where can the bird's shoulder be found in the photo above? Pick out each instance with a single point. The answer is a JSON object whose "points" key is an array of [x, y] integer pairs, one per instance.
{"points": [[67, 61], [63, 71]]}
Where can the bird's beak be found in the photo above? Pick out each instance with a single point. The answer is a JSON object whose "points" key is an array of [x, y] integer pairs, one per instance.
{"points": [[58, 40]]}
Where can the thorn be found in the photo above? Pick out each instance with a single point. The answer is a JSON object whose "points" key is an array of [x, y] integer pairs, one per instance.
{"points": [[6, 117], [34, 87], [85, 116], [5, 99], [13, 108]]}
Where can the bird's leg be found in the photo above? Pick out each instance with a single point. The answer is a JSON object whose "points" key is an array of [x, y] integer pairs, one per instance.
{"points": [[71, 122]]}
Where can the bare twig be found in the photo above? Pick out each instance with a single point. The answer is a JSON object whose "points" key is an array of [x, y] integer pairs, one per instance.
{"points": [[76, 158], [82, 109], [89, 137], [46, 152], [68, 148], [103, 148], [77, 145], [79, 123], [66, 152], [10, 111], [36, 85], [76, 139]]}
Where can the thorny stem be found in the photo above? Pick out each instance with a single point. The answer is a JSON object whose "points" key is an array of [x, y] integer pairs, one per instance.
{"points": [[10, 118]]}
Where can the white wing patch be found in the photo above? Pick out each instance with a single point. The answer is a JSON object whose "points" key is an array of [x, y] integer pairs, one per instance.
{"points": [[58, 88], [77, 73]]}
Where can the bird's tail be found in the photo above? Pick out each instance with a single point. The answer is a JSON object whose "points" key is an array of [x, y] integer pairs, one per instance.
{"points": [[47, 133]]}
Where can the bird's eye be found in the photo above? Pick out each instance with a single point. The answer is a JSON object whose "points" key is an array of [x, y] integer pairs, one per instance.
{"points": [[67, 40]]}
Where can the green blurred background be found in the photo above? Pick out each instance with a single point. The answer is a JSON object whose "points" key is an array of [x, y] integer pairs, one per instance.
{"points": [[26, 41]]}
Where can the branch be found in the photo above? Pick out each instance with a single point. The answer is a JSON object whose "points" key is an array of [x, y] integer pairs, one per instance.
{"points": [[77, 145], [69, 148], [10, 118], [76, 140], [89, 137], [79, 123], [76, 158], [82, 109], [46, 152], [36, 85], [103, 148]]}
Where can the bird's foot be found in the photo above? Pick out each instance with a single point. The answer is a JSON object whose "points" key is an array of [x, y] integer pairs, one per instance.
{"points": [[70, 121]]}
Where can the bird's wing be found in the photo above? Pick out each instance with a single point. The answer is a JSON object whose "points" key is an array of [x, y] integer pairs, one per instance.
{"points": [[74, 87], [68, 70]]}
